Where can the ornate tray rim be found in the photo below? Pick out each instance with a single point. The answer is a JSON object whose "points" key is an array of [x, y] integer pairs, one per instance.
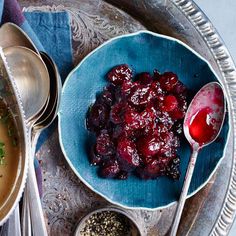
{"points": [[228, 70]]}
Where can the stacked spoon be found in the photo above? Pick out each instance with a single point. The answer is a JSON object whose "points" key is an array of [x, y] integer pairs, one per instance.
{"points": [[38, 82]]}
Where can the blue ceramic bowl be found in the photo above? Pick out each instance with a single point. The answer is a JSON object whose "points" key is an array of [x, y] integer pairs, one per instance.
{"points": [[144, 51]]}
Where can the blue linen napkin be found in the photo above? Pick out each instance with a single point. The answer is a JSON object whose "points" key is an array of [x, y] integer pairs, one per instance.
{"points": [[53, 30]]}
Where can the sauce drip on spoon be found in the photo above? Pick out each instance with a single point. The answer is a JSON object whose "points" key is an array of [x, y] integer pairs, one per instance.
{"points": [[201, 126]]}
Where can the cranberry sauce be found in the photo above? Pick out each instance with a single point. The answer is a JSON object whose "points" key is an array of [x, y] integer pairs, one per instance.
{"points": [[205, 115], [201, 126], [138, 123]]}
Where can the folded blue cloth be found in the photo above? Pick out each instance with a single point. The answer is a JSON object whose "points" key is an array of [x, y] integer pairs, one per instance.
{"points": [[53, 29]]}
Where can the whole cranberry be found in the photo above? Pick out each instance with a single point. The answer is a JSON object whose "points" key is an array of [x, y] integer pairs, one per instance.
{"points": [[122, 130], [148, 115], [170, 103], [133, 119], [127, 154], [179, 88], [168, 80], [97, 117], [109, 169], [165, 119], [106, 97], [126, 87], [152, 170], [119, 74], [156, 92], [104, 145], [177, 114], [139, 95], [117, 112], [145, 78], [149, 145]]}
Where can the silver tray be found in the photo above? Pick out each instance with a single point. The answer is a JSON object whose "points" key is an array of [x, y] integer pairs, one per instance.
{"points": [[65, 200]]}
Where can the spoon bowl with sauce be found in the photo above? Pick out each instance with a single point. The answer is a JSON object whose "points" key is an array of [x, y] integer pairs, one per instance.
{"points": [[202, 125], [205, 115]]}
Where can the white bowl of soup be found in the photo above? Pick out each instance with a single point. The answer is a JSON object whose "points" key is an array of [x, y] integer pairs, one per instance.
{"points": [[13, 144]]}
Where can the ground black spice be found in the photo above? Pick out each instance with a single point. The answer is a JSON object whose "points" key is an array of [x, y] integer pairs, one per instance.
{"points": [[107, 223]]}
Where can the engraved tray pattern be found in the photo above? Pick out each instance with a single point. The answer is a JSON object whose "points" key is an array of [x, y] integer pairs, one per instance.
{"points": [[65, 198]]}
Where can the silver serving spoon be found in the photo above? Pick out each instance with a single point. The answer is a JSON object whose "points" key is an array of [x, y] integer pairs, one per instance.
{"points": [[40, 124], [30, 74], [55, 94], [32, 78], [202, 124], [13, 35]]}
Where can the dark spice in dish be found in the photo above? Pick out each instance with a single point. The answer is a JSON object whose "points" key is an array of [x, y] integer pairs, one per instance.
{"points": [[108, 223], [138, 123]]}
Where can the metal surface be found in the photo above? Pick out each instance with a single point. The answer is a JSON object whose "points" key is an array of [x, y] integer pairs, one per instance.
{"points": [[37, 221], [32, 80], [10, 95], [47, 117], [66, 199], [203, 99], [13, 35], [30, 75], [50, 112]]}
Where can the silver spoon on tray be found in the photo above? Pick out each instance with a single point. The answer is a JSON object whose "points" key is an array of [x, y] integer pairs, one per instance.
{"points": [[13, 35], [30, 74], [202, 124], [47, 117]]}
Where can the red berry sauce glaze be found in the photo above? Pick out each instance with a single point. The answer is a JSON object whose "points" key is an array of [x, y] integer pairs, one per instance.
{"points": [[138, 123], [201, 126]]}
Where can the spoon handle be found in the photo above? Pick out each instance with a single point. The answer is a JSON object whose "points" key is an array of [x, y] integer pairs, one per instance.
{"points": [[25, 214], [36, 211], [184, 192], [32, 196], [12, 226]]}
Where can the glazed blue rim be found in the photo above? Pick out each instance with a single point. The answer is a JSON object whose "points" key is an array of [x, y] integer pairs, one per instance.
{"points": [[60, 132]]}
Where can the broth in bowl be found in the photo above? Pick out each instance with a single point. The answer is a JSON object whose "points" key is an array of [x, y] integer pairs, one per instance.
{"points": [[9, 153]]}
